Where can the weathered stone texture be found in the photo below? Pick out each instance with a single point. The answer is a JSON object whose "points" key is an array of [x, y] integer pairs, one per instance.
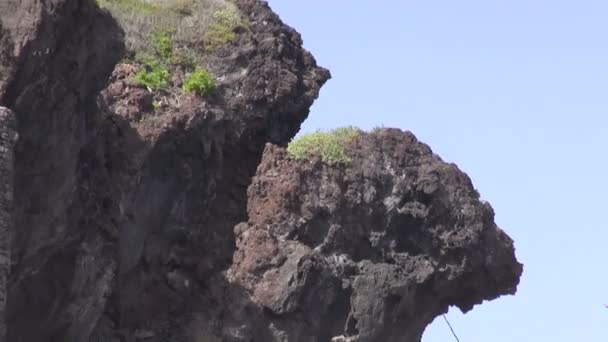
{"points": [[8, 137], [134, 221]]}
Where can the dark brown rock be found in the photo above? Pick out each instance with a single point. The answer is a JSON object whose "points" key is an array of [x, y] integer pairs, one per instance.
{"points": [[8, 138], [127, 202], [120, 202], [370, 252], [188, 180], [56, 56]]}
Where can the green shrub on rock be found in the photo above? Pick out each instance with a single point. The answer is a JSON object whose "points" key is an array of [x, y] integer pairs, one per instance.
{"points": [[162, 44], [222, 28], [200, 82], [330, 146], [154, 75]]}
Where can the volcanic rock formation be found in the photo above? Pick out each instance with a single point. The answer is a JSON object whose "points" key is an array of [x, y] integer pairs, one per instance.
{"points": [[369, 252], [134, 214]]}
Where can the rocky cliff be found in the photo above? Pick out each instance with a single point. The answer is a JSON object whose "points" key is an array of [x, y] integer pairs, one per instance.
{"points": [[135, 210]]}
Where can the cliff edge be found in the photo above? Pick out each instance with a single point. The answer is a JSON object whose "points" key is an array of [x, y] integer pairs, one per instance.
{"points": [[147, 194], [369, 251]]}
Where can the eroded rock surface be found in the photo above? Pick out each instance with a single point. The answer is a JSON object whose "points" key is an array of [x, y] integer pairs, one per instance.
{"points": [[189, 164], [370, 252], [117, 209], [122, 221], [56, 56], [8, 138]]}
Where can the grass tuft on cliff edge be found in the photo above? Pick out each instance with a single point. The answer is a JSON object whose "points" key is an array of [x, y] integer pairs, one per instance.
{"points": [[329, 145]]}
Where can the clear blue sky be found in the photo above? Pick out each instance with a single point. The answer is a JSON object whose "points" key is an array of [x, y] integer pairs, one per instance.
{"points": [[516, 93]]}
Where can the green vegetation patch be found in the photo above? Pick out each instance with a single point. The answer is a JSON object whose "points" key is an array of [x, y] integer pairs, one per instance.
{"points": [[163, 45], [194, 23], [135, 6], [223, 26], [154, 75], [168, 35], [330, 145], [199, 82], [140, 19]]}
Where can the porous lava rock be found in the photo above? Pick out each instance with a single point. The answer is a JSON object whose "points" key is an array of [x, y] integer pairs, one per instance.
{"points": [[125, 219], [372, 251]]}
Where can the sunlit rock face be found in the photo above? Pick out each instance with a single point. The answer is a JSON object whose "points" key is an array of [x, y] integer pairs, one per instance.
{"points": [[137, 214], [372, 251]]}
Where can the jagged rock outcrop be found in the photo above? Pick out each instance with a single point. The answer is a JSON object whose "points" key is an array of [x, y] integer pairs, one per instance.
{"points": [[369, 252], [190, 163], [56, 57], [122, 223], [111, 211]]}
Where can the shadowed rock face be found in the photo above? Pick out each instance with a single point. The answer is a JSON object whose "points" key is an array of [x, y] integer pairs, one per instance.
{"points": [[183, 173], [7, 173], [370, 252], [122, 222], [114, 215], [56, 56]]}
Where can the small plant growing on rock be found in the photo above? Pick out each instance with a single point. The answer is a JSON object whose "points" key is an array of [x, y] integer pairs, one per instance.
{"points": [[330, 146], [163, 45], [200, 82], [154, 75], [157, 105], [222, 28]]}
